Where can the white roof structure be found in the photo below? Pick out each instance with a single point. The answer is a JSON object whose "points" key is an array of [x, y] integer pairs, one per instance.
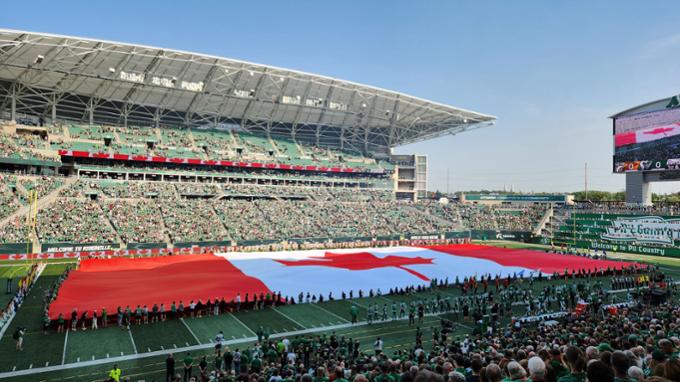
{"points": [[107, 82]]}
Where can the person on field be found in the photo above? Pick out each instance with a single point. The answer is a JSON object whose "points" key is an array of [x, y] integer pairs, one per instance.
{"points": [[19, 338], [354, 312], [169, 367], [60, 323], [188, 364], [74, 319], [114, 373], [83, 319], [46, 322], [94, 320]]}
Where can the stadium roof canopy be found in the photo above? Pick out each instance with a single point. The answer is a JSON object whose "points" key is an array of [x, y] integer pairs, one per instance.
{"points": [[99, 81], [660, 104]]}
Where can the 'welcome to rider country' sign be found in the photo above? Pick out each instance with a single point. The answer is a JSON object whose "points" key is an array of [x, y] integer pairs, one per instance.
{"points": [[644, 229]]}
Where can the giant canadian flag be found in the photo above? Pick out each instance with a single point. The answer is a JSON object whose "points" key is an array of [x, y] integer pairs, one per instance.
{"points": [[646, 135], [335, 271], [109, 283]]}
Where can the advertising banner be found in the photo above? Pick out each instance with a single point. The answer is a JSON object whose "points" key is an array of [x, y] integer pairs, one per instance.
{"points": [[650, 235]]}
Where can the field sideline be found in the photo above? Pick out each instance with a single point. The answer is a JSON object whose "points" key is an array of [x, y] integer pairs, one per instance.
{"points": [[144, 347]]}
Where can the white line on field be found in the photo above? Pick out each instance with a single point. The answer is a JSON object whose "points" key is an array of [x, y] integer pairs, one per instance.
{"points": [[134, 347], [289, 318], [244, 325], [190, 331], [63, 353], [329, 312], [245, 339]]}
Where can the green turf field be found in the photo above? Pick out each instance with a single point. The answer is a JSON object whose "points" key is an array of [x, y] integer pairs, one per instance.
{"points": [[14, 272], [140, 352]]}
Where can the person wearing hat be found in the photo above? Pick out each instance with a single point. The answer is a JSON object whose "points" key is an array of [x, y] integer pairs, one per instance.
{"points": [[537, 369]]}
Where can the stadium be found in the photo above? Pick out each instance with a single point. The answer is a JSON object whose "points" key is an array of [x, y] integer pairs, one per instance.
{"points": [[169, 212]]}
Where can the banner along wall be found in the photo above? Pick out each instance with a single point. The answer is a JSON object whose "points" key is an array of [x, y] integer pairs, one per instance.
{"points": [[650, 235]]}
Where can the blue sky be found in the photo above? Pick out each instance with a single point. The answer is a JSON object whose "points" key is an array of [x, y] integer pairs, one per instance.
{"points": [[551, 71]]}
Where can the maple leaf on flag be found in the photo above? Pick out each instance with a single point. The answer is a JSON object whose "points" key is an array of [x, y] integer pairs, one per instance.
{"points": [[361, 261], [659, 130]]}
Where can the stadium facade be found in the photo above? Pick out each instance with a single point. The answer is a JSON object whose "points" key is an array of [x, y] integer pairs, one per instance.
{"points": [[46, 78]]}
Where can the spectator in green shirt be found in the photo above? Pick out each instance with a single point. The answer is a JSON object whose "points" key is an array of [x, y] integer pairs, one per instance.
{"points": [[188, 363], [576, 361]]}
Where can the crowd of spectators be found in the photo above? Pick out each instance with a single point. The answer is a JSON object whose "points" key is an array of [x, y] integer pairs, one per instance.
{"points": [[119, 189], [14, 231], [482, 217], [23, 146], [628, 342], [139, 211], [74, 221], [136, 221], [624, 208], [192, 220], [43, 185], [215, 143], [9, 201], [176, 142], [666, 148]]}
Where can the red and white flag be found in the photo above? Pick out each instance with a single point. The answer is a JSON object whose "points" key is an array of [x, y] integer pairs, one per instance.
{"points": [[646, 135], [109, 283]]}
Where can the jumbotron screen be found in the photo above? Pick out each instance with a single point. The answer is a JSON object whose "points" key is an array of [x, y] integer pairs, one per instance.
{"points": [[648, 141]]}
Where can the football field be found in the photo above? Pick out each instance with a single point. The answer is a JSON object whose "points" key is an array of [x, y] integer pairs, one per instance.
{"points": [[140, 352], [86, 355]]}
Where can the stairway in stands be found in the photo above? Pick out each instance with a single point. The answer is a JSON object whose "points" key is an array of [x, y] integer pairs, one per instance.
{"points": [[43, 202]]}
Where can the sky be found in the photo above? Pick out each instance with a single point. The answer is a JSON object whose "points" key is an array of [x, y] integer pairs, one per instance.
{"points": [[550, 71]]}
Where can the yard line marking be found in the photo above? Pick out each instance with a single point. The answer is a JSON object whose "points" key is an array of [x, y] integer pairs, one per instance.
{"points": [[148, 349], [122, 354], [329, 312], [93, 358], [186, 343], [14, 368], [47, 363], [244, 325], [30, 366], [107, 355], [289, 318], [63, 353], [190, 331], [157, 353], [134, 347], [78, 359], [162, 348], [174, 346], [123, 358]]}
